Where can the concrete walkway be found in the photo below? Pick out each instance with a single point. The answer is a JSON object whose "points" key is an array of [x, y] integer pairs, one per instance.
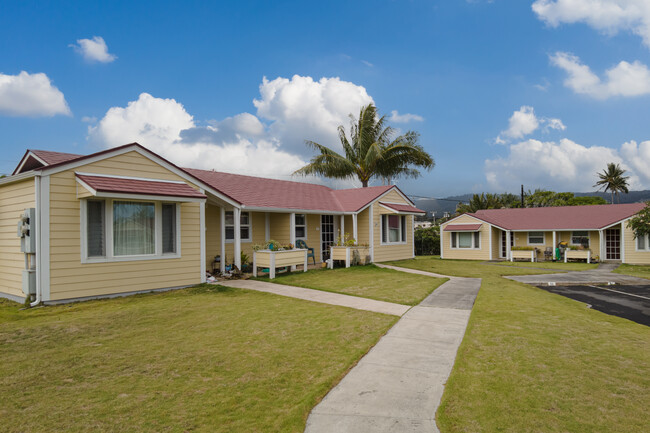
{"points": [[398, 385], [602, 275], [319, 296]]}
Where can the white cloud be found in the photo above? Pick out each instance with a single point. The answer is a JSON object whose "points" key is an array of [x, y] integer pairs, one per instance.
{"points": [[164, 126], [30, 95], [521, 123], [624, 79], [367, 63], [302, 109], [607, 16], [553, 124], [404, 118], [89, 119], [94, 50], [564, 165]]}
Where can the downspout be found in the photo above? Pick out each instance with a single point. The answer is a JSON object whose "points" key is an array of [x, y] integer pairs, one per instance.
{"points": [[37, 228]]}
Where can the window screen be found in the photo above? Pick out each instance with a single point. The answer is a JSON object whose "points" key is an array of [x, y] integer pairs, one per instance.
{"points": [[96, 228], [168, 228]]}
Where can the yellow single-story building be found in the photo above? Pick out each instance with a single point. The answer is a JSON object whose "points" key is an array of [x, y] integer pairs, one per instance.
{"points": [[597, 232], [126, 220]]}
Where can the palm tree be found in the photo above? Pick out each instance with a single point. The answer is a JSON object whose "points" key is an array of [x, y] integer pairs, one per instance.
{"points": [[370, 151], [612, 180]]}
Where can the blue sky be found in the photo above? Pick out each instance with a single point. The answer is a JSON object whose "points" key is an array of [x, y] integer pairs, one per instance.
{"points": [[503, 92]]}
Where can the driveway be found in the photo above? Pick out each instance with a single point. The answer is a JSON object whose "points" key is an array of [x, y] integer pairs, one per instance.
{"points": [[629, 302], [602, 275]]}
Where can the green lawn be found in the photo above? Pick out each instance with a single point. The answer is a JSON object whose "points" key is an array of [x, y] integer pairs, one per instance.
{"points": [[365, 281], [558, 266], [634, 270], [203, 359], [532, 361]]}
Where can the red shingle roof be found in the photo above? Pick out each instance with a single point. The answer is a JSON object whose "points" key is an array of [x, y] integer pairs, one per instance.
{"points": [[253, 191], [462, 227], [559, 218], [403, 208], [140, 187]]}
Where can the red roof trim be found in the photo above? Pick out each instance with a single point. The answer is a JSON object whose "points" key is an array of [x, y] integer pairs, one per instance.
{"points": [[462, 227], [402, 207]]}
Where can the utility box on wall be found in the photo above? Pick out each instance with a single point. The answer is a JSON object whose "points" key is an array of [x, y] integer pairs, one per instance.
{"points": [[29, 282], [27, 231]]}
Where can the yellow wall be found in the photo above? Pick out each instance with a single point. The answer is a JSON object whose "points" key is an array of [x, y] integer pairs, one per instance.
{"points": [[69, 278], [482, 253], [14, 199], [496, 243], [632, 256], [384, 253]]}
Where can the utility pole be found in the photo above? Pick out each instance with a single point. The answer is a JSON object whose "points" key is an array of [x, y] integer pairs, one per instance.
{"points": [[522, 196]]}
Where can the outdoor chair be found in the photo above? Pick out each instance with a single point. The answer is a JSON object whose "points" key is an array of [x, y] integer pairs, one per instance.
{"points": [[548, 253], [310, 251]]}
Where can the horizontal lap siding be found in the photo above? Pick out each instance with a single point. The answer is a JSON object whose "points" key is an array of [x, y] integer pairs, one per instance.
{"points": [[69, 278], [468, 254], [496, 243], [14, 199], [363, 228], [313, 235], [384, 253], [633, 256]]}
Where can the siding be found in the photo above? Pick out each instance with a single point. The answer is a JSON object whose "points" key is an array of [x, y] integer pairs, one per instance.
{"points": [[14, 199], [384, 253], [496, 243], [483, 253], [69, 278], [632, 256]]}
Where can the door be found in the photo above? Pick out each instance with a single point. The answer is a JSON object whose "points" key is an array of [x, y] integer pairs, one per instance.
{"points": [[504, 250], [326, 234], [613, 244]]}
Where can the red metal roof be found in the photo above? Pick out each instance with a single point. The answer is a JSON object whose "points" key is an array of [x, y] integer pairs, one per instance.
{"points": [[55, 157], [283, 194], [140, 187], [462, 227], [403, 208], [559, 218]]}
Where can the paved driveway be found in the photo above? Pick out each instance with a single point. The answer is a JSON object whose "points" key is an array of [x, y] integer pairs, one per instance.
{"points": [[602, 275], [629, 302]]}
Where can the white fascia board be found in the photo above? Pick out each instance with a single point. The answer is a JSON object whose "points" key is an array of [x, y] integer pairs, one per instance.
{"points": [[381, 196], [475, 217], [114, 176], [616, 223], [24, 160], [86, 186], [17, 177]]}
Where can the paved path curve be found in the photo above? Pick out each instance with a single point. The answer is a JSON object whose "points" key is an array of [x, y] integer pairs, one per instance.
{"points": [[398, 385], [320, 296]]}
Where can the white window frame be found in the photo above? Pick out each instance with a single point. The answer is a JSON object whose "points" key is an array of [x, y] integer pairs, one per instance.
{"points": [[473, 247], [249, 225], [296, 225], [109, 255], [588, 237], [402, 230], [537, 243], [647, 244]]}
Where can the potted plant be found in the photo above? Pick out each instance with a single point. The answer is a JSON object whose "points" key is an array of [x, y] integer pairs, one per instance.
{"points": [[577, 252]]}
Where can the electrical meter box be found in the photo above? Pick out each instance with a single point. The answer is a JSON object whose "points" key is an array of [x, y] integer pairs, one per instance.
{"points": [[27, 231]]}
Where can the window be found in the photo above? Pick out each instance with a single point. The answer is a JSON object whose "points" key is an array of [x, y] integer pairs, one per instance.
{"points": [[168, 228], [643, 243], [466, 240], [244, 226], [95, 231], [580, 238], [117, 230], [393, 229], [536, 238], [133, 228], [301, 226]]}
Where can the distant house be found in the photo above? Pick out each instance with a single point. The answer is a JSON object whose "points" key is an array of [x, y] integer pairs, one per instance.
{"points": [[127, 220], [491, 234], [423, 224]]}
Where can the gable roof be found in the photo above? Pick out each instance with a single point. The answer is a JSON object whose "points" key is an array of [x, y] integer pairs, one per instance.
{"points": [[248, 191], [259, 192], [405, 208], [592, 217]]}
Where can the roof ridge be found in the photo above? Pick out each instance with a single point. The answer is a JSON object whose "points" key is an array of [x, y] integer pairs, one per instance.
{"points": [[257, 177]]}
